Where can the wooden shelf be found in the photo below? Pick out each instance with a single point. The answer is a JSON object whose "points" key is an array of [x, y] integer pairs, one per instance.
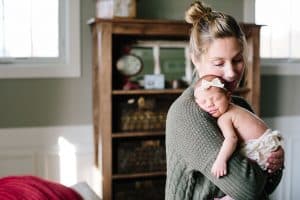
{"points": [[137, 134], [145, 27], [138, 175], [110, 36], [242, 90], [164, 91], [147, 92]]}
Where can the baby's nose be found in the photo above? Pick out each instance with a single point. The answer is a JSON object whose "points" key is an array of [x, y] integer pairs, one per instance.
{"points": [[209, 104]]}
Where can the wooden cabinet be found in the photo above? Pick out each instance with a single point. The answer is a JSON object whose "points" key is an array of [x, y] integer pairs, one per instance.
{"points": [[131, 154]]}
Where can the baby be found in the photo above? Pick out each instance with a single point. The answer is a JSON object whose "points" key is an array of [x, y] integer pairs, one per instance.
{"points": [[236, 124]]}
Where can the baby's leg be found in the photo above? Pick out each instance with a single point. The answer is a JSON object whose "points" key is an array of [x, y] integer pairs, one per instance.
{"points": [[224, 198]]}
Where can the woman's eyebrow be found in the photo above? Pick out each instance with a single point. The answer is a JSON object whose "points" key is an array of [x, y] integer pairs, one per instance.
{"points": [[240, 53], [216, 59]]}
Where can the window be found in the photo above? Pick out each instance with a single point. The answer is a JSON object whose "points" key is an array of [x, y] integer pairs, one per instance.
{"points": [[39, 38], [280, 37]]}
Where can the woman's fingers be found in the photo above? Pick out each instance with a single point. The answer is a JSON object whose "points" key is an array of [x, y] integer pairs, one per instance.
{"points": [[275, 160]]}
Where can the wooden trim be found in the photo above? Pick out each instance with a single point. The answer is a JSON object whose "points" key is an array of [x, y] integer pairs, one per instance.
{"points": [[137, 134], [138, 175], [133, 21], [105, 104], [96, 93], [146, 27], [145, 92]]}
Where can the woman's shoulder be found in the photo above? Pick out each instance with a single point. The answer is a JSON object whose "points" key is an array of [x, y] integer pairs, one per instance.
{"points": [[240, 101], [185, 106], [184, 101]]}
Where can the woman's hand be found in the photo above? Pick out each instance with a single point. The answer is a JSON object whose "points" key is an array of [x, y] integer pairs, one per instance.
{"points": [[276, 160]]}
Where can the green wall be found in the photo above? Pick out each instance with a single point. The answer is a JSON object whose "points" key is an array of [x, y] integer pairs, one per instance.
{"points": [[280, 96], [51, 102], [175, 9]]}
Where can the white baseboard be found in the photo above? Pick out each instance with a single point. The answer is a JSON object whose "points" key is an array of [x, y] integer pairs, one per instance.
{"points": [[62, 153]]}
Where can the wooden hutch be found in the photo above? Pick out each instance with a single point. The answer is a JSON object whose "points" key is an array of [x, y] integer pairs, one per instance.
{"points": [[132, 161]]}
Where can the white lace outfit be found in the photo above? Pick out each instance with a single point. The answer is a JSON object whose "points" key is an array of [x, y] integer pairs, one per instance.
{"points": [[260, 149]]}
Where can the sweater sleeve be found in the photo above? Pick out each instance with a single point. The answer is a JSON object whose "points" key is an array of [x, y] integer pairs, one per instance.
{"points": [[197, 139]]}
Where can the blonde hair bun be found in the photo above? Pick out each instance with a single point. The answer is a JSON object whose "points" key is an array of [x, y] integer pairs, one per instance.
{"points": [[196, 11]]}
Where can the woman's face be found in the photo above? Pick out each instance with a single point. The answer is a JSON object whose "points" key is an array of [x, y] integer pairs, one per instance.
{"points": [[223, 58]]}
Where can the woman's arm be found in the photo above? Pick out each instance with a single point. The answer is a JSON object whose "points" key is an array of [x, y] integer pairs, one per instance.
{"points": [[198, 140]]}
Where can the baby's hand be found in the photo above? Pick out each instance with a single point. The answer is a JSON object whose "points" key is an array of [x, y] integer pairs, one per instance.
{"points": [[219, 169]]}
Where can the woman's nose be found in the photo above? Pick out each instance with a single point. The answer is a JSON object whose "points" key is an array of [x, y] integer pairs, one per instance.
{"points": [[230, 73]]}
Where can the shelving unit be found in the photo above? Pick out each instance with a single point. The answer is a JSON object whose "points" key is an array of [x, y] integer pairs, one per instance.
{"points": [[147, 92], [129, 149]]}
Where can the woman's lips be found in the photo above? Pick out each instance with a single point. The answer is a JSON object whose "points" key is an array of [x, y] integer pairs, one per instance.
{"points": [[231, 86]]}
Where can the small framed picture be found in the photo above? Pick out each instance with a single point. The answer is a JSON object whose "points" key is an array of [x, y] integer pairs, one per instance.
{"points": [[154, 81]]}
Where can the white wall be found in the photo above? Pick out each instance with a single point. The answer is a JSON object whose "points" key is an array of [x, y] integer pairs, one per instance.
{"points": [[290, 129], [64, 154]]}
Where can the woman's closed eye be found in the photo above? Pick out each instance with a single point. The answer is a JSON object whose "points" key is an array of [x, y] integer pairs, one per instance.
{"points": [[238, 59], [218, 64]]}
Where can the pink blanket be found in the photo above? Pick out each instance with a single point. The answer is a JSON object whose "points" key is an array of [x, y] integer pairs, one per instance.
{"points": [[34, 188]]}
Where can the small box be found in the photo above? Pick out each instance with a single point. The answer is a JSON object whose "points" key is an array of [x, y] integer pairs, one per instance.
{"points": [[116, 8], [154, 81]]}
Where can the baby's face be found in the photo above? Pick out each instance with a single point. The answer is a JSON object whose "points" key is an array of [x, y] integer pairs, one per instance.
{"points": [[214, 101]]}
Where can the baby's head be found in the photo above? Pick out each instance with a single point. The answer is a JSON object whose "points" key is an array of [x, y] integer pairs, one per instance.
{"points": [[211, 95]]}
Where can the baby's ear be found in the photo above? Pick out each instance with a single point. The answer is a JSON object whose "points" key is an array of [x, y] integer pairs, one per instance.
{"points": [[228, 94]]}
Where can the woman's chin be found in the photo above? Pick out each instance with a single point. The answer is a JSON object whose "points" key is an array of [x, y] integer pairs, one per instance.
{"points": [[231, 86]]}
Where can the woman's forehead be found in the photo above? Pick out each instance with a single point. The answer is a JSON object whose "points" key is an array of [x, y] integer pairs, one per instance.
{"points": [[224, 48]]}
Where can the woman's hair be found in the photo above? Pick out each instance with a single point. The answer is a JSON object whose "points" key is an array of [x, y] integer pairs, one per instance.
{"points": [[208, 25]]}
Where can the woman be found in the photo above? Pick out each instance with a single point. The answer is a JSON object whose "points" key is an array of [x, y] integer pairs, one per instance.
{"points": [[193, 139]]}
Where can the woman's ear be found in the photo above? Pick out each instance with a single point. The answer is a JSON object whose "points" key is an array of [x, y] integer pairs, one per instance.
{"points": [[192, 58], [195, 60]]}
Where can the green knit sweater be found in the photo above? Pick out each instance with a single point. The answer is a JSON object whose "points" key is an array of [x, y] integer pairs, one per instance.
{"points": [[193, 140]]}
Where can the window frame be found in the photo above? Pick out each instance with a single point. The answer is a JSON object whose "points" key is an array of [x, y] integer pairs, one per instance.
{"points": [[68, 64], [270, 66]]}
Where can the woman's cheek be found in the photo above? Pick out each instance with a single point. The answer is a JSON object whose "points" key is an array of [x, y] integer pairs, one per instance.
{"points": [[240, 74], [241, 69], [212, 71]]}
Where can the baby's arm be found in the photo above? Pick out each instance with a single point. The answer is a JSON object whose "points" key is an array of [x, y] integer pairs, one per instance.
{"points": [[219, 167], [224, 198]]}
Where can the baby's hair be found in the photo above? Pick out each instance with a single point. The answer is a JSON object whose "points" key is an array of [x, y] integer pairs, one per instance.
{"points": [[208, 25]]}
